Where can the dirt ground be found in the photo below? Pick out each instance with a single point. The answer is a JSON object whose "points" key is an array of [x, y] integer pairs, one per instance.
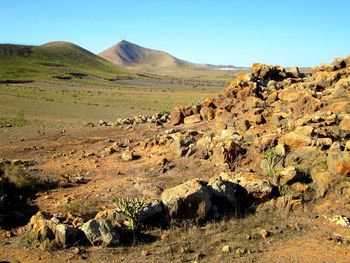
{"points": [[305, 235]]}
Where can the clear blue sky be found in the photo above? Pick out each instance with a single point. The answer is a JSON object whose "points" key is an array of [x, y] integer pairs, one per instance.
{"points": [[298, 32]]}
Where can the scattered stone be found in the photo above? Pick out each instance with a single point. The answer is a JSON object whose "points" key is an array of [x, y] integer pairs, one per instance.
{"points": [[226, 249], [240, 251], [264, 233], [340, 220], [128, 156]]}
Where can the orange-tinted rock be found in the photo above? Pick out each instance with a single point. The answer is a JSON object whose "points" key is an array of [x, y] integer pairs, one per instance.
{"points": [[339, 163], [192, 119], [207, 113], [345, 123], [177, 117]]}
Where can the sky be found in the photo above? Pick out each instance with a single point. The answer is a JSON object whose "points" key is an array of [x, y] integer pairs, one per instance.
{"points": [[241, 32]]}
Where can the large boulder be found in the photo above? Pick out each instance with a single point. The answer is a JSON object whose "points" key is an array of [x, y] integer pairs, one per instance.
{"points": [[190, 200], [223, 190], [101, 232], [229, 198]]}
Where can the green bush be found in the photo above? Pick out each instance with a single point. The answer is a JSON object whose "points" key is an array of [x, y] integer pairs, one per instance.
{"points": [[272, 158], [20, 118]]}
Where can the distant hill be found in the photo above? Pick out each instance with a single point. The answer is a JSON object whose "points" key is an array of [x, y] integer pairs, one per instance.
{"points": [[128, 54], [62, 60], [131, 55]]}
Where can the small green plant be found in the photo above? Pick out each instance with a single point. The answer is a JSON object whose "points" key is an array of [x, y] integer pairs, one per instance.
{"points": [[272, 158], [20, 118], [324, 164], [132, 209]]}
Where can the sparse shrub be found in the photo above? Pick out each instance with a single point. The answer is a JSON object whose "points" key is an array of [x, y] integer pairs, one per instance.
{"points": [[85, 208], [272, 158], [324, 164], [26, 179], [18, 177], [20, 118], [132, 209]]}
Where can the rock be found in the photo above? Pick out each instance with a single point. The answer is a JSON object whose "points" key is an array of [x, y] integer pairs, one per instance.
{"points": [[240, 251], [177, 117], [192, 119], [180, 145], [128, 156], [222, 190], [339, 63], [228, 198], [226, 249], [289, 176], [68, 236], [256, 186], [113, 216], [190, 200], [294, 72], [339, 163], [341, 220], [196, 109], [101, 232], [345, 123], [252, 102], [151, 212], [347, 145], [264, 233], [42, 227], [302, 136], [288, 95], [325, 142], [207, 113]]}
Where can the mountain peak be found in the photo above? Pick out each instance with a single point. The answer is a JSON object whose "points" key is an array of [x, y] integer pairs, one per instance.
{"points": [[126, 53]]}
